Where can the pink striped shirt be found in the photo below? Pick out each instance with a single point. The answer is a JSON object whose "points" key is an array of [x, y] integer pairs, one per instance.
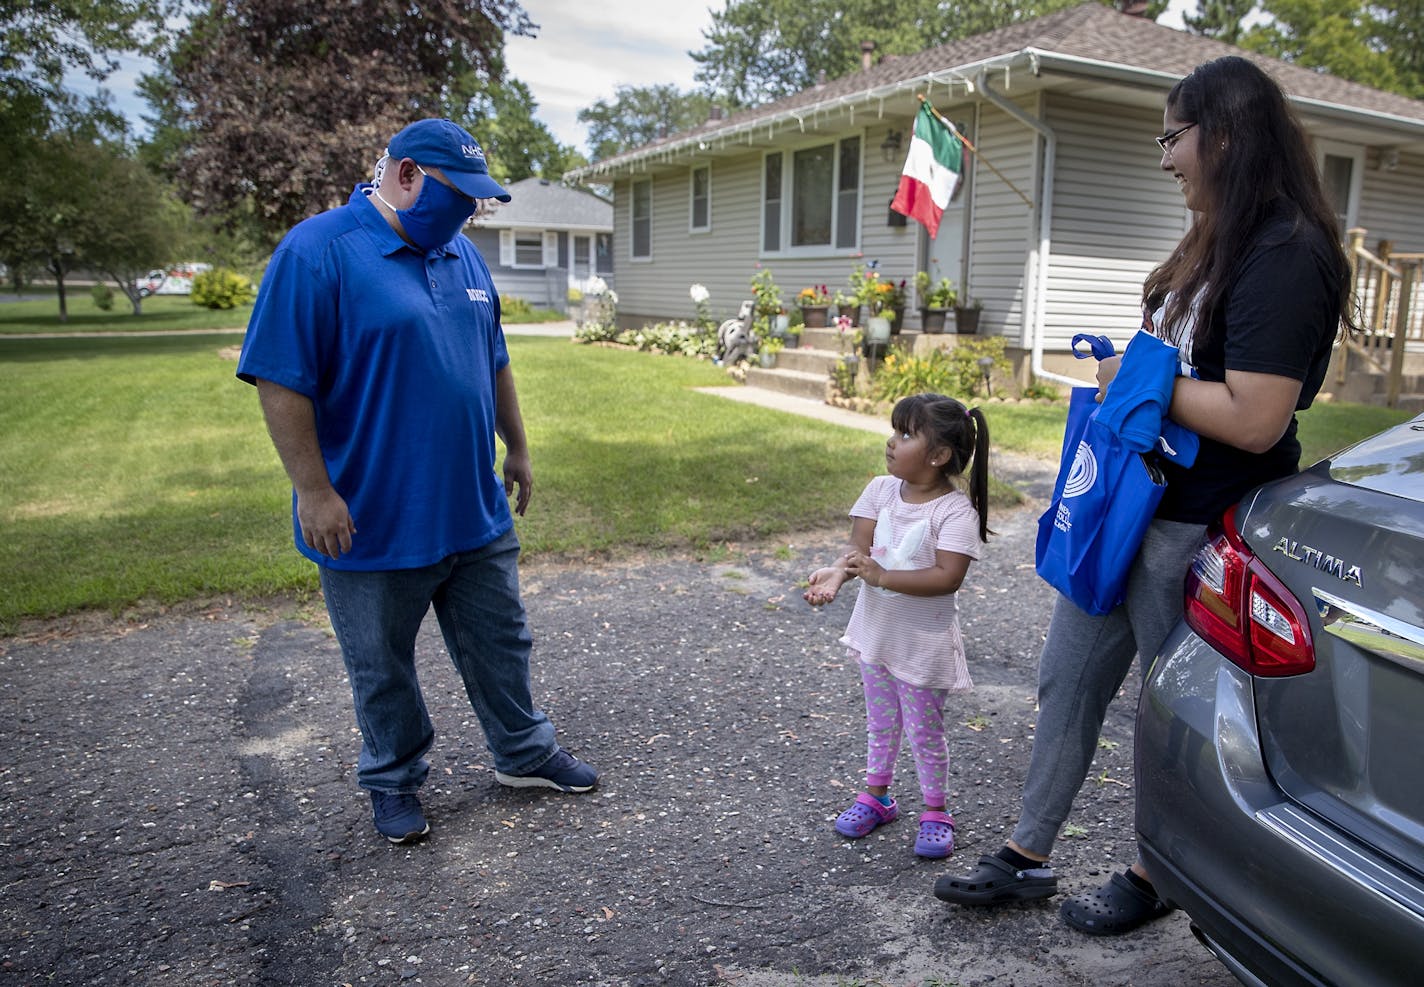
{"points": [[915, 637]]}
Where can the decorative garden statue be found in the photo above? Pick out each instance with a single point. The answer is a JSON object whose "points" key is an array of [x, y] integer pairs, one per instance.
{"points": [[734, 337]]}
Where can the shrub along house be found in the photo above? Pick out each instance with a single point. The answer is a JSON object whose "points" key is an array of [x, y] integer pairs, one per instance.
{"points": [[1055, 238], [547, 239]]}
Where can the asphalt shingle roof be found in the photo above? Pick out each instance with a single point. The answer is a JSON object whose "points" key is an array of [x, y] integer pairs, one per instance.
{"points": [[1091, 32]]}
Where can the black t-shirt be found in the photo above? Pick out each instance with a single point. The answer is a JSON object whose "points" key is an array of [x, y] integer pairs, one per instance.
{"points": [[1280, 316]]}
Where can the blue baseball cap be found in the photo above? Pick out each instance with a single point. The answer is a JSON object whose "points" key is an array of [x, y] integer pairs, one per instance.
{"points": [[449, 147]]}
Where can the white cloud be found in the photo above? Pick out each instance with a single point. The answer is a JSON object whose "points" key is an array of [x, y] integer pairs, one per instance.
{"points": [[583, 51]]}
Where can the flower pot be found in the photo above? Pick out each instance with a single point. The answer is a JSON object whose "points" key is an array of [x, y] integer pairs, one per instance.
{"points": [[897, 319], [851, 312], [966, 319], [768, 360], [877, 329], [815, 316], [932, 319], [780, 324]]}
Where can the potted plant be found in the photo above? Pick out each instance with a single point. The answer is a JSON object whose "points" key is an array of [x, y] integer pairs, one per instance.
{"points": [[966, 316], [936, 299], [767, 351], [845, 305], [815, 303], [896, 306], [766, 298], [876, 295]]}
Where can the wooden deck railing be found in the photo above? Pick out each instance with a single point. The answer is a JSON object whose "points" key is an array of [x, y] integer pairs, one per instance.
{"points": [[1387, 289]]}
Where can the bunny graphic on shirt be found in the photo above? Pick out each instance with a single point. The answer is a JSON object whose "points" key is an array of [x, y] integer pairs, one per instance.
{"points": [[891, 555]]}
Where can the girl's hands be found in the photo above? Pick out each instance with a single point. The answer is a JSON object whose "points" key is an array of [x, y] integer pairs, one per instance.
{"points": [[867, 569], [825, 584]]}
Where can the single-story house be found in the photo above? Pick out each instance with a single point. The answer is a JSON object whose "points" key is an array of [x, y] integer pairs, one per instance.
{"points": [[1063, 209], [547, 239]]}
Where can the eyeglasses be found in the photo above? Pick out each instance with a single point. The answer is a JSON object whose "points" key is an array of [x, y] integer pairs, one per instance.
{"points": [[470, 199], [1168, 140]]}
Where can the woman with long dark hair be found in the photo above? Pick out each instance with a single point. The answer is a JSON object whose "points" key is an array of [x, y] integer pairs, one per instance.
{"points": [[1253, 296]]}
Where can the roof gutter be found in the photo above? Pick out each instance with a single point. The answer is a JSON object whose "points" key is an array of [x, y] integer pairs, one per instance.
{"points": [[1035, 298], [800, 116]]}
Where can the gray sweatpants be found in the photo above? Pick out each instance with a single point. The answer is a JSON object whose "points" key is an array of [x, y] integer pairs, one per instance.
{"points": [[1084, 662]]}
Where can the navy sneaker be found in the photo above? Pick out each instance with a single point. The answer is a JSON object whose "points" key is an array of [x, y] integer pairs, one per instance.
{"points": [[563, 771], [398, 817]]}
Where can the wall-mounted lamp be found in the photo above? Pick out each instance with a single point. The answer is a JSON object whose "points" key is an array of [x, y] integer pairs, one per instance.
{"points": [[890, 146]]}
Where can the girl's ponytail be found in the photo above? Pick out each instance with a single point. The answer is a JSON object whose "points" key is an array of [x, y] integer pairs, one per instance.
{"points": [[979, 471]]}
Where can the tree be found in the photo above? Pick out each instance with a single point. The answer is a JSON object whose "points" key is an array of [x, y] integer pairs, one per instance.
{"points": [[516, 144], [291, 104], [762, 50], [69, 214], [41, 42], [1219, 19], [639, 115], [1376, 45]]}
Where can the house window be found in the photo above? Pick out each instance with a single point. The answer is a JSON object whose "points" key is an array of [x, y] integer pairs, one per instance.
{"points": [[641, 220], [529, 249], [771, 204], [700, 207], [822, 186]]}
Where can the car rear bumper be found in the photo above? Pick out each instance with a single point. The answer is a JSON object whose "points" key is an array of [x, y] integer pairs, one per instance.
{"points": [[1280, 894]]}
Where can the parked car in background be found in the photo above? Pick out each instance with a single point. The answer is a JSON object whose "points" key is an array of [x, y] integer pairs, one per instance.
{"points": [[1280, 737], [175, 280]]}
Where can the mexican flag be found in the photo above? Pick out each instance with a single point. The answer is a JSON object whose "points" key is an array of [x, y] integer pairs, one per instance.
{"points": [[931, 171]]}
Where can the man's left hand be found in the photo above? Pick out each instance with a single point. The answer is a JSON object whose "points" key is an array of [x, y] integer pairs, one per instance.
{"points": [[518, 473]]}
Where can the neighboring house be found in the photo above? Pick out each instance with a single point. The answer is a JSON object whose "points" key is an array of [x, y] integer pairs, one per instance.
{"points": [[1064, 107], [547, 239]]}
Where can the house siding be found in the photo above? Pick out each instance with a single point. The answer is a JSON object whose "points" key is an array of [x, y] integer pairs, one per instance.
{"points": [[1002, 226], [725, 258], [1392, 203], [1116, 216]]}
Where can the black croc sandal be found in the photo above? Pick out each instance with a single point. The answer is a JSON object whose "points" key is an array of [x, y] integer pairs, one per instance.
{"points": [[1117, 907], [997, 882]]}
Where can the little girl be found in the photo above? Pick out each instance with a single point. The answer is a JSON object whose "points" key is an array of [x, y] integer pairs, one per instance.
{"points": [[914, 534]]}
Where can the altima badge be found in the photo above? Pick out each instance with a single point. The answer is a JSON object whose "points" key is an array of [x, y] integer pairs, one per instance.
{"points": [[1317, 559]]}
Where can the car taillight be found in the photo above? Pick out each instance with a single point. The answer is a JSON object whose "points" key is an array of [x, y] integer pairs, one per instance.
{"points": [[1241, 609]]}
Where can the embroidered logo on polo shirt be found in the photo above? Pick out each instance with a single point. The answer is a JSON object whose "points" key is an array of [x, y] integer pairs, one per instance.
{"points": [[478, 295]]}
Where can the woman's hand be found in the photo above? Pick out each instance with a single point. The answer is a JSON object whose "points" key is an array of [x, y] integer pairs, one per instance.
{"points": [[825, 584], [1107, 370]]}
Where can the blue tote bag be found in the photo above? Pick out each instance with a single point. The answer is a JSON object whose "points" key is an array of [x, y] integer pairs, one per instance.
{"points": [[1103, 501]]}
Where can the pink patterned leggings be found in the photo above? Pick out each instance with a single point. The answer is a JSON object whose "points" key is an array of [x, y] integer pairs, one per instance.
{"points": [[894, 708]]}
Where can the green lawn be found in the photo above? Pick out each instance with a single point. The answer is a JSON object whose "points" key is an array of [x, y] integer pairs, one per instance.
{"points": [[137, 469], [161, 313]]}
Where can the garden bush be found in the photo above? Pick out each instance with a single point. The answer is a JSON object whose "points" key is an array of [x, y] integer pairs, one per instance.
{"points": [[222, 288], [103, 296]]}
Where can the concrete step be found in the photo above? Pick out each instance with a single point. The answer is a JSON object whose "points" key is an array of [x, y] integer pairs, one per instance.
{"points": [[807, 360], [797, 383]]}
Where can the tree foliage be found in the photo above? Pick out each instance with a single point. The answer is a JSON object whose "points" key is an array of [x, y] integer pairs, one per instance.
{"points": [[1374, 44], [1219, 19], [288, 105], [762, 50], [517, 145], [638, 115], [42, 42]]}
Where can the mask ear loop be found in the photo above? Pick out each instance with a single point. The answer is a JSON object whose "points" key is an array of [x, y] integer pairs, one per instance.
{"points": [[379, 171]]}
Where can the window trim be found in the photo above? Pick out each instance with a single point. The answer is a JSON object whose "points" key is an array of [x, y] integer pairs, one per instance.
{"points": [[692, 173], [1356, 154], [787, 198]]}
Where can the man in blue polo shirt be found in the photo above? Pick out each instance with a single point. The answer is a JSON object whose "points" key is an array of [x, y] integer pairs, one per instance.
{"points": [[381, 368]]}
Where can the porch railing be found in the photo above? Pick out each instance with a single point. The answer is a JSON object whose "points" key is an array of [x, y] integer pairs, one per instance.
{"points": [[1387, 288]]}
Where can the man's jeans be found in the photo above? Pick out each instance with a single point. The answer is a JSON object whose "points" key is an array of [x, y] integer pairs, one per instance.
{"points": [[376, 616]]}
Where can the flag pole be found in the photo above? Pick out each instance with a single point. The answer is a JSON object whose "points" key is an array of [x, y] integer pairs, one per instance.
{"points": [[965, 141]]}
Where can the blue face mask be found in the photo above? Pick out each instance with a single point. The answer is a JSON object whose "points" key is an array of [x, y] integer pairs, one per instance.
{"points": [[438, 215]]}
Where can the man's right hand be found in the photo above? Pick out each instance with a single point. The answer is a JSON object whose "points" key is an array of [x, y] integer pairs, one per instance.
{"points": [[326, 523]]}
